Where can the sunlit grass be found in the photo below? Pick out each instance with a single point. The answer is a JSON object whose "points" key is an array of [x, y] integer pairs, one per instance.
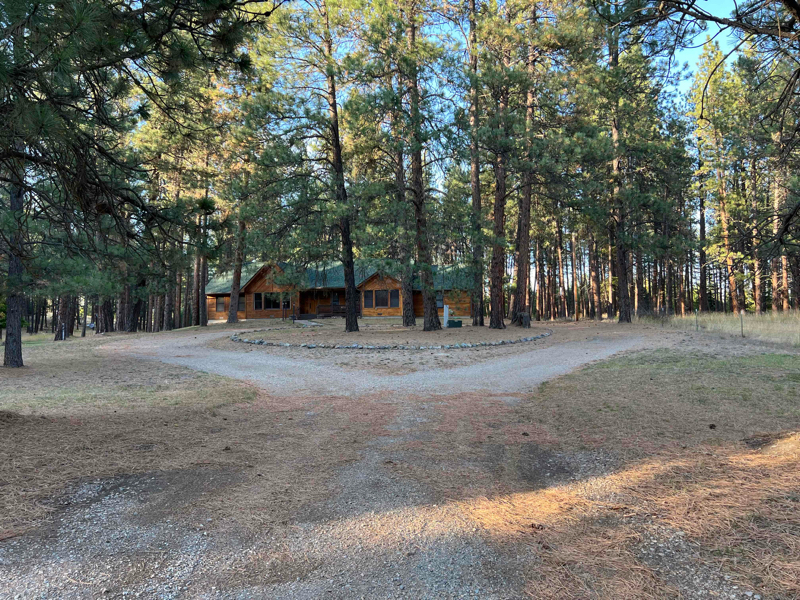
{"points": [[781, 328]]}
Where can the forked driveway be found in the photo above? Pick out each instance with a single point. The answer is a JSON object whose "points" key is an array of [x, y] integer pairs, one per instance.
{"points": [[286, 376]]}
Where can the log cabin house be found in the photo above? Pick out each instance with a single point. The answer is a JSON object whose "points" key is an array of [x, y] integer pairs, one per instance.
{"points": [[270, 291]]}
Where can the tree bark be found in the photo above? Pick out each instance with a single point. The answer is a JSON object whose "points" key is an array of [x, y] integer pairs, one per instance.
{"points": [[618, 207], [196, 286], [15, 303], [478, 308], [62, 332], [203, 301], [702, 284], [407, 269], [758, 298], [594, 268], [238, 259], [340, 191], [723, 213], [85, 314], [430, 310], [522, 257], [540, 279], [562, 286], [575, 300]]}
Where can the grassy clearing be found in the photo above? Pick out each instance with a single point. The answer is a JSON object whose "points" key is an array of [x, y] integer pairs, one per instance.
{"points": [[779, 328]]}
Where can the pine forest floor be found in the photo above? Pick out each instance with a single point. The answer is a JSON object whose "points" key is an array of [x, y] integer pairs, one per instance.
{"points": [[604, 461]]}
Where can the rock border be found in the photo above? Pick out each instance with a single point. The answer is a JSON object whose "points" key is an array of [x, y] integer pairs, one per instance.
{"points": [[236, 338]]}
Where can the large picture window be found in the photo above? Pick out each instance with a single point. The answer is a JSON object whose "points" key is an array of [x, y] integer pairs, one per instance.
{"points": [[394, 298], [381, 298], [272, 301], [368, 299], [220, 304]]}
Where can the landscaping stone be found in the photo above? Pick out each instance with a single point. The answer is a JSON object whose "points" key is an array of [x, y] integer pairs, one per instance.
{"points": [[463, 345]]}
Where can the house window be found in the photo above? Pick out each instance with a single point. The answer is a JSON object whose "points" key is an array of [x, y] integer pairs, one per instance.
{"points": [[240, 307], [381, 298], [367, 298], [439, 299], [335, 299], [220, 304], [272, 301], [394, 298], [287, 304], [257, 302]]}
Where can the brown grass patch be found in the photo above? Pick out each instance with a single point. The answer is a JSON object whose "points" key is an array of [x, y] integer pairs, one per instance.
{"points": [[740, 505], [84, 415]]}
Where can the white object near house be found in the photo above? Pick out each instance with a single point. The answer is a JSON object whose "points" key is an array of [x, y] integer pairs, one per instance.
{"points": [[446, 314]]}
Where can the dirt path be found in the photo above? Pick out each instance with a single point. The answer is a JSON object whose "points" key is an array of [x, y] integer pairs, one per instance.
{"points": [[281, 375]]}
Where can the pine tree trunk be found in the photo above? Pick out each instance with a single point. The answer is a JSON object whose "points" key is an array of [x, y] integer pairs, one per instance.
{"points": [[575, 299], [187, 298], [522, 255], [196, 288], [203, 299], [618, 229], [407, 269], [540, 280], [340, 191], [72, 302], [85, 314], [640, 301], [496, 268], [407, 290], [703, 268], [168, 322], [723, 213], [562, 289], [61, 323], [681, 290], [594, 267], [350, 291], [430, 310], [178, 299], [15, 302], [758, 298], [238, 260], [36, 313], [478, 308]]}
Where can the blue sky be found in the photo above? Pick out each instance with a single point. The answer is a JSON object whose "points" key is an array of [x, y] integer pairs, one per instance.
{"points": [[722, 8]]}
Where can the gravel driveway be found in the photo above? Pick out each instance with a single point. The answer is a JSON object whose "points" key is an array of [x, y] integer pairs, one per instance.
{"points": [[280, 375]]}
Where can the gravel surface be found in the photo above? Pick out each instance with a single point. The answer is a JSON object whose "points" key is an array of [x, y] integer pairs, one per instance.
{"points": [[289, 375]]}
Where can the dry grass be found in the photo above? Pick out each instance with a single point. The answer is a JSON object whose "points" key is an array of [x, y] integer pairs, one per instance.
{"points": [[82, 415], [738, 500], [647, 402], [740, 505], [779, 328]]}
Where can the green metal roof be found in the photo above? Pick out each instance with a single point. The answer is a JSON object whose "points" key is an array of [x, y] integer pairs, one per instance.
{"points": [[448, 277], [221, 282], [331, 275]]}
